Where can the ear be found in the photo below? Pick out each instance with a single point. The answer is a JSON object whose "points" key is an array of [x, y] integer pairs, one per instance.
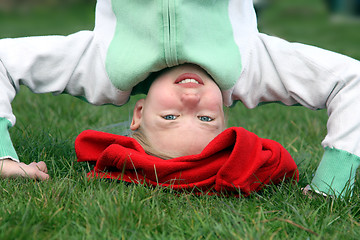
{"points": [[137, 115]]}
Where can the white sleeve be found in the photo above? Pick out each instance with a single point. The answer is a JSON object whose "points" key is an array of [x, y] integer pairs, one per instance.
{"points": [[279, 71], [74, 64]]}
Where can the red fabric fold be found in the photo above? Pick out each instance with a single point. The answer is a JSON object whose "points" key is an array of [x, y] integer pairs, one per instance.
{"points": [[236, 160]]}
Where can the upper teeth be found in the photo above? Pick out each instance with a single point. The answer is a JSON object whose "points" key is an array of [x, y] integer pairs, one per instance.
{"points": [[189, 81]]}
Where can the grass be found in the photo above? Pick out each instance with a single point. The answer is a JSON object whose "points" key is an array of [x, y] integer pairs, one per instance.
{"points": [[68, 206]]}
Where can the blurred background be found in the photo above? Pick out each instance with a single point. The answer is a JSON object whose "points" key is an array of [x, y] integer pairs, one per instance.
{"points": [[41, 17], [346, 8], [24, 5], [331, 24]]}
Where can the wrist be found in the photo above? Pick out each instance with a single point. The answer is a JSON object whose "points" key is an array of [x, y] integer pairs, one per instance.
{"points": [[8, 167], [336, 172], [7, 150]]}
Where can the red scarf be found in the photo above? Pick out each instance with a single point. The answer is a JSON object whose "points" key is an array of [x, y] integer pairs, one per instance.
{"points": [[236, 160]]}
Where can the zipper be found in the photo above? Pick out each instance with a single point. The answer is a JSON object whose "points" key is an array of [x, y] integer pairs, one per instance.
{"points": [[169, 21]]}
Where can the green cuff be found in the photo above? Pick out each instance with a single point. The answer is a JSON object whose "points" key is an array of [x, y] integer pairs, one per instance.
{"points": [[6, 147], [336, 172]]}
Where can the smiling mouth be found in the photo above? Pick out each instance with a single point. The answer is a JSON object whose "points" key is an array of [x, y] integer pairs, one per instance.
{"points": [[188, 81], [189, 78]]}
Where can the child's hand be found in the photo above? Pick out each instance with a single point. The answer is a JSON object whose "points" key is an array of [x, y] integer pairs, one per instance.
{"points": [[312, 194], [34, 170]]}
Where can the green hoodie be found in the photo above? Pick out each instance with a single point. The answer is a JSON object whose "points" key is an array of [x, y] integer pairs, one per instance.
{"points": [[152, 35]]}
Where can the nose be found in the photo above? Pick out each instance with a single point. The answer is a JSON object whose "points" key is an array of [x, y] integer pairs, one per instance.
{"points": [[190, 100]]}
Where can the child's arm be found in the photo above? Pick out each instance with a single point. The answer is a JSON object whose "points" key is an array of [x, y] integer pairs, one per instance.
{"points": [[73, 64], [39, 63], [293, 73], [34, 170]]}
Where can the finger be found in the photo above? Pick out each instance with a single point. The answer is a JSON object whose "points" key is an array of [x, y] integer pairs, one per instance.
{"points": [[39, 165], [308, 191], [42, 176], [34, 171], [42, 166], [33, 164]]}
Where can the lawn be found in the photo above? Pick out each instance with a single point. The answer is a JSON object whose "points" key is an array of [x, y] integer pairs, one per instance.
{"points": [[69, 206]]}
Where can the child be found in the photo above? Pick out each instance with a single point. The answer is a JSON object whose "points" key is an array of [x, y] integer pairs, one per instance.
{"points": [[182, 121], [131, 39]]}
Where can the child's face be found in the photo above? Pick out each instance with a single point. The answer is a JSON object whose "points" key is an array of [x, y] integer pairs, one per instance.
{"points": [[180, 117]]}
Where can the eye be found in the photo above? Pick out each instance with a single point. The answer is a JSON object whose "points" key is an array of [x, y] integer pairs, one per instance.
{"points": [[205, 118], [169, 117]]}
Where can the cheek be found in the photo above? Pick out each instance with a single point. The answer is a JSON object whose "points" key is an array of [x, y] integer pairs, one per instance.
{"points": [[214, 100], [162, 100]]}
